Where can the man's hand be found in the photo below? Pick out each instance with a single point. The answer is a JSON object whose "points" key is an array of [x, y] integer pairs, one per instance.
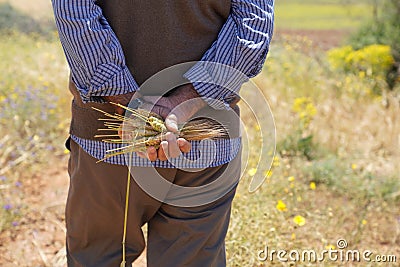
{"points": [[176, 108], [121, 99]]}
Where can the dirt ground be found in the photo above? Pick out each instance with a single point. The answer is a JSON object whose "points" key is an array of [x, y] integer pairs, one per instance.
{"points": [[38, 240], [322, 39]]}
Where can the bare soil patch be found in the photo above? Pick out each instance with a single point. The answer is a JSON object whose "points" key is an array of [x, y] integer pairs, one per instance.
{"points": [[324, 39], [39, 239]]}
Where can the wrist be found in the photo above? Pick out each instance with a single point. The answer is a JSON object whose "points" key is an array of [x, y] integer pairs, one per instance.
{"points": [[187, 92]]}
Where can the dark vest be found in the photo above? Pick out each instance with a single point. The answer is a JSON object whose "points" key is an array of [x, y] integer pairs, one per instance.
{"points": [[154, 35]]}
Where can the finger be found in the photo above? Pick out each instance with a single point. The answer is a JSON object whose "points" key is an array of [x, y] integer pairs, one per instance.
{"points": [[173, 149], [184, 145], [171, 121], [152, 153], [160, 110], [120, 133], [162, 151], [125, 132], [119, 110]]}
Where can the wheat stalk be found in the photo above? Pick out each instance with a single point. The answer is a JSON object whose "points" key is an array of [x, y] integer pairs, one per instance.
{"points": [[143, 129]]}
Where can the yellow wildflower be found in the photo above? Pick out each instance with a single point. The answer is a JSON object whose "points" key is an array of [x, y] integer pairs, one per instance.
{"points": [[276, 161], [305, 109], [354, 166], [268, 173], [291, 179], [373, 60], [364, 222], [313, 186], [281, 206], [299, 220], [252, 171], [14, 96], [337, 56], [331, 247]]}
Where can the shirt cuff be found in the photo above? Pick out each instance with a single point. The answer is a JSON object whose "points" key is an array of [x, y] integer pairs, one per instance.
{"points": [[108, 80], [219, 89]]}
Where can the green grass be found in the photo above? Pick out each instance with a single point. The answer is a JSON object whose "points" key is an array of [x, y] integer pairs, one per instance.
{"points": [[321, 15]]}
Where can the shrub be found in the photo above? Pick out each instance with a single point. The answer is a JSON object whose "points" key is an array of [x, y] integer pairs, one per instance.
{"points": [[300, 141], [337, 57], [374, 60], [383, 29]]}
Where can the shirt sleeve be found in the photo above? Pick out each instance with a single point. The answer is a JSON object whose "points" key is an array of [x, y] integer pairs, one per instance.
{"points": [[238, 53], [92, 49]]}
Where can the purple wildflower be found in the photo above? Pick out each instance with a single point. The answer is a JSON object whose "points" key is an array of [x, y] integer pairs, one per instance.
{"points": [[18, 184], [7, 206]]}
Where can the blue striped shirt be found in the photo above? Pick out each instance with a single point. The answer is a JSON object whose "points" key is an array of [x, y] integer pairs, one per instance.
{"points": [[98, 65]]}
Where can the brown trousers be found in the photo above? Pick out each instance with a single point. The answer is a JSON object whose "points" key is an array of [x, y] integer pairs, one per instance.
{"points": [[177, 236]]}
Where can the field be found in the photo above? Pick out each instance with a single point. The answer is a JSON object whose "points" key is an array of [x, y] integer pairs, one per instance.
{"points": [[322, 14], [335, 173]]}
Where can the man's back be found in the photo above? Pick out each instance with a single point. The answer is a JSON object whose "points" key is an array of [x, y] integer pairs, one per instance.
{"points": [[158, 34]]}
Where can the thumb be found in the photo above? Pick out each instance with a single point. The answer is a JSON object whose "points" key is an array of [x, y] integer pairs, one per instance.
{"points": [[171, 122]]}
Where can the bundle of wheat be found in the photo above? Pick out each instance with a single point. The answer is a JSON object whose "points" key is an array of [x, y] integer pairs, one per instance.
{"points": [[142, 129]]}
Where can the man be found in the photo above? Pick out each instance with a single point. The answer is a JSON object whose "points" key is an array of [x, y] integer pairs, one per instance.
{"points": [[113, 48]]}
